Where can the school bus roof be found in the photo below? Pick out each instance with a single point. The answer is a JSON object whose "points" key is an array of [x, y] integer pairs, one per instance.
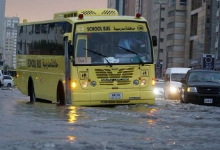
{"points": [[88, 15], [88, 19]]}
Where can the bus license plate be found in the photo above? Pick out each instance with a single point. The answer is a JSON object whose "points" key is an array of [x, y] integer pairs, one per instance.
{"points": [[115, 96], [208, 100]]}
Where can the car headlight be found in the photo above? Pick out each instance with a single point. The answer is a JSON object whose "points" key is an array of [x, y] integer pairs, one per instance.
{"points": [[173, 89], [192, 89], [156, 91]]}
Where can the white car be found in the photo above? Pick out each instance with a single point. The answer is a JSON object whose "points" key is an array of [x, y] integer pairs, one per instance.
{"points": [[8, 81]]}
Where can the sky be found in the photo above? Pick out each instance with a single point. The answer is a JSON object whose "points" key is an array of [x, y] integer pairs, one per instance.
{"points": [[37, 10]]}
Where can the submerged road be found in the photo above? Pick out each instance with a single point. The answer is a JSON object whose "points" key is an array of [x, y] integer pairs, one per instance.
{"points": [[165, 125]]}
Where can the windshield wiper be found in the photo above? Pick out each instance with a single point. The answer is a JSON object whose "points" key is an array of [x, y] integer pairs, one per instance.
{"points": [[99, 55], [130, 51]]}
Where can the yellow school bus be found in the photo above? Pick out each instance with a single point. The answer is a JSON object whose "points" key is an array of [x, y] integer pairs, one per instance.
{"points": [[87, 58]]}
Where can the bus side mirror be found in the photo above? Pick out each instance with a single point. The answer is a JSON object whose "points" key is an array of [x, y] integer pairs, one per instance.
{"points": [[154, 39], [70, 49]]}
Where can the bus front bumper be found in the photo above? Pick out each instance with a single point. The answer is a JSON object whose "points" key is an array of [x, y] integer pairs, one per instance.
{"points": [[105, 98]]}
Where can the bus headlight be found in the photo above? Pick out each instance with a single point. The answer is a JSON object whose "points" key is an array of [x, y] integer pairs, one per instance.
{"points": [[135, 82], [93, 83], [143, 82], [191, 89], [74, 84], [173, 89]]}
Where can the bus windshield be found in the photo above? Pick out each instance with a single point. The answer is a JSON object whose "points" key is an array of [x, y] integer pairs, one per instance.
{"points": [[113, 47]]}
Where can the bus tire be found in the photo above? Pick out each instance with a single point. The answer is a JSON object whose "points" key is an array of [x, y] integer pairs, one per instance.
{"points": [[31, 91], [60, 94], [32, 94]]}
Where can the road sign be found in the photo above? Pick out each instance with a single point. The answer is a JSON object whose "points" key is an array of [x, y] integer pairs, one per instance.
{"points": [[208, 62]]}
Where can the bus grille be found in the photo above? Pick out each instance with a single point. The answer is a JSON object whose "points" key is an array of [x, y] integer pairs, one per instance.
{"points": [[125, 73]]}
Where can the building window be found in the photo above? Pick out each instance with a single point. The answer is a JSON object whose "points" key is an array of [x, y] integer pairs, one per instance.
{"points": [[182, 2], [162, 8], [161, 39], [196, 4], [162, 19], [171, 13], [172, 2], [180, 25], [170, 37], [194, 24], [161, 29], [161, 51], [170, 25], [176, 25], [180, 13]]}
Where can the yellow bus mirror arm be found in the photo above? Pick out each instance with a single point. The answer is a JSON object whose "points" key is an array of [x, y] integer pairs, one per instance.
{"points": [[70, 50], [70, 47]]}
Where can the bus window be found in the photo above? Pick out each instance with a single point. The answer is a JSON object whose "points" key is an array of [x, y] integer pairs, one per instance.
{"points": [[80, 48]]}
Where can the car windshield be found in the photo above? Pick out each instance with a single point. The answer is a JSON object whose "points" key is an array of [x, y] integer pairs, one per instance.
{"points": [[177, 76], [204, 77], [128, 44]]}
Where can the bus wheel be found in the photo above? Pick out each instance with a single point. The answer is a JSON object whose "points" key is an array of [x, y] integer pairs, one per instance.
{"points": [[60, 95], [32, 94]]}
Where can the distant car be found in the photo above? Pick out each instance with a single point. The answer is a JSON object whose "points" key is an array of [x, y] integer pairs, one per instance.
{"points": [[201, 87], [8, 81], [158, 89], [1, 78], [172, 80]]}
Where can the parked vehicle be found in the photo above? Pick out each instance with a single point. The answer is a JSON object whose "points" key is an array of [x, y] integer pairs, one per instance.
{"points": [[172, 80], [201, 87], [8, 81], [1, 78]]}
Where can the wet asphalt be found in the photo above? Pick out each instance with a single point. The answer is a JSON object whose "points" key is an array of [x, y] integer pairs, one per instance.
{"points": [[163, 126]]}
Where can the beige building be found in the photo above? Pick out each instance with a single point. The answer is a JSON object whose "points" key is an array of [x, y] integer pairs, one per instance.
{"points": [[2, 15], [176, 33], [10, 41], [197, 32]]}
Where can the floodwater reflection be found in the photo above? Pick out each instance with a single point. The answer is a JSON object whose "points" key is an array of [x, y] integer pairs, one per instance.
{"points": [[153, 120], [72, 139], [72, 114]]}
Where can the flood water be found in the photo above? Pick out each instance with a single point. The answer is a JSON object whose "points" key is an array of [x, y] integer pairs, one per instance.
{"points": [[165, 125]]}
